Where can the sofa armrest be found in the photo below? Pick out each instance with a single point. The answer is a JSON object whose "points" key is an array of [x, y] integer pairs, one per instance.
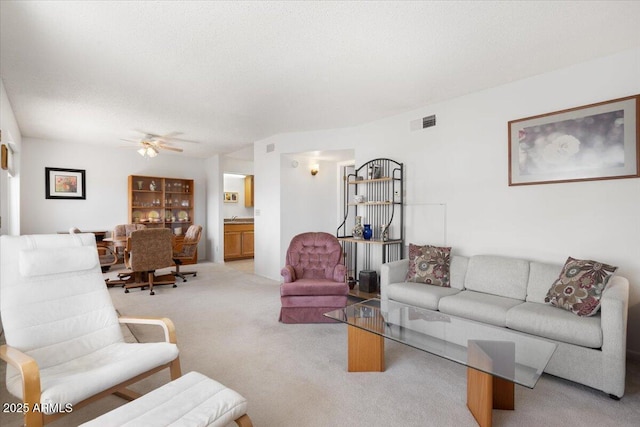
{"points": [[394, 272], [288, 273], [391, 272], [166, 324], [614, 306], [30, 373]]}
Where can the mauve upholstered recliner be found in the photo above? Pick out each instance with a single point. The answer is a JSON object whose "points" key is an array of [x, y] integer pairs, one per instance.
{"points": [[314, 279]]}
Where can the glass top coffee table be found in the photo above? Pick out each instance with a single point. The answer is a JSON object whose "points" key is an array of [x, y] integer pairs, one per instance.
{"points": [[496, 358]]}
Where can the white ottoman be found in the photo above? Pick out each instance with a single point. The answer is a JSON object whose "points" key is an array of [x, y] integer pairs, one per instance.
{"points": [[191, 400]]}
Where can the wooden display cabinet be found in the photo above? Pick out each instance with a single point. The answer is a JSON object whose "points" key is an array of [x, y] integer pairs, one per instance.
{"points": [[162, 202]]}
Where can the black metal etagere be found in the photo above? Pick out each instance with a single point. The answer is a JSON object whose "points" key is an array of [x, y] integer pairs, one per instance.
{"points": [[375, 193]]}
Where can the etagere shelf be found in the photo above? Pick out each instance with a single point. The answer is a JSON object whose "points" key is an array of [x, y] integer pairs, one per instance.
{"points": [[373, 196]]}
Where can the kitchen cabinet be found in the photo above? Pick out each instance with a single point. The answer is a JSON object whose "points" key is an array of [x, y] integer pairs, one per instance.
{"points": [[238, 241], [248, 191]]}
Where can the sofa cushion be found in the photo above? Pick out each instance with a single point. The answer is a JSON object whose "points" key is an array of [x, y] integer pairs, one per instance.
{"points": [[458, 271], [541, 277], [498, 275], [429, 264], [478, 306], [580, 286], [548, 322], [418, 294]]}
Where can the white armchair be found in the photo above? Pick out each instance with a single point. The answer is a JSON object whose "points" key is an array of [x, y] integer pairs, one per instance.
{"points": [[65, 346]]}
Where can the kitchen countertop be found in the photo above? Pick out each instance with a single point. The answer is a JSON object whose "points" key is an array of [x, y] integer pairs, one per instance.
{"points": [[238, 221]]}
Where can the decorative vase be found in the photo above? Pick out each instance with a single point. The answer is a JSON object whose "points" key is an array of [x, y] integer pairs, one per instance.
{"points": [[384, 232], [139, 185], [358, 229], [367, 232]]}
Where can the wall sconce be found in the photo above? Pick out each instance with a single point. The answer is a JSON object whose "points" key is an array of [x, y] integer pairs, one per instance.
{"points": [[315, 169]]}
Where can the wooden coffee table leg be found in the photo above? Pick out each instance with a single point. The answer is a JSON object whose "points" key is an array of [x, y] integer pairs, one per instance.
{"points": [[484, 391], [365, 351]]}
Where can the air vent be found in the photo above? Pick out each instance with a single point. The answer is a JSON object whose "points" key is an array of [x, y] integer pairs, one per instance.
{"points": [[428, 121], [425, 122], [271, 148]]}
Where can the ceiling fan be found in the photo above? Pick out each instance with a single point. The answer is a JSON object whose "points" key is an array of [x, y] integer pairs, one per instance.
{"points": [[152, 143]]}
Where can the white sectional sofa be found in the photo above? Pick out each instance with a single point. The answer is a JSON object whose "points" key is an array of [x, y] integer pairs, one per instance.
{"points": [[510, 293]]}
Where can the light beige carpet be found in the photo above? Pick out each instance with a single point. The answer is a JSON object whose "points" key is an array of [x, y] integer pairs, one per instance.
{"points": [[295, 375]]}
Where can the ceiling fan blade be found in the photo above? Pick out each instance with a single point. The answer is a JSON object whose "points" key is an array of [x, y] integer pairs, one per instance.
{"points": [[148, 134], [130, 140], [164, 147], [170, 135], [183, 140]]}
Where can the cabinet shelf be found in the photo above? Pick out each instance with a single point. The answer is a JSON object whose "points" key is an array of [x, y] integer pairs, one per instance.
{"points": [[370, 241], [366, 181], [374, 203]]}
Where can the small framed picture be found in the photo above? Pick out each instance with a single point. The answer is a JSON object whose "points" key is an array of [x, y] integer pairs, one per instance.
{"points": [[65, 183], [231, 197], [4, 163]]}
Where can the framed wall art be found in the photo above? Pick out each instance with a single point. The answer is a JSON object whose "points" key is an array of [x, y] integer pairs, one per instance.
{"points": [[65, 183], [596, 141], [231, 197], [4, 156]]}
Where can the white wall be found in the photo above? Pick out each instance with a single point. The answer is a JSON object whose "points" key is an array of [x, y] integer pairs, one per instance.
{"points": [[461, 164], [107, 171], [10, 185], [269, 187], [307, 203], [214, 230]]}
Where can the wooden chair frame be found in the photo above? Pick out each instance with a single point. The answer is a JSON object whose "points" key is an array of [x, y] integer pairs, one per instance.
{"points": [[30, 373]]}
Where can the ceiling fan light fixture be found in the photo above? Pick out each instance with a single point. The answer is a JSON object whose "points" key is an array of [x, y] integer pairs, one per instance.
{"points": [[148, 151]]}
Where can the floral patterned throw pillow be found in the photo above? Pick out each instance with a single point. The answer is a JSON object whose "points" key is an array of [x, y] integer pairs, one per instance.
{"points": [[580, 286], [429, 264]]}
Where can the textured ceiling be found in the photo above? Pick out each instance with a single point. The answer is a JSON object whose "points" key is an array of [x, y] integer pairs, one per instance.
{"points": [[228, 73]]}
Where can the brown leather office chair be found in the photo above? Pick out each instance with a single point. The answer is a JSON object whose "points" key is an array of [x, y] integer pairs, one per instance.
{"points": [[188, 252], [148, 250], [120, 234]]}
